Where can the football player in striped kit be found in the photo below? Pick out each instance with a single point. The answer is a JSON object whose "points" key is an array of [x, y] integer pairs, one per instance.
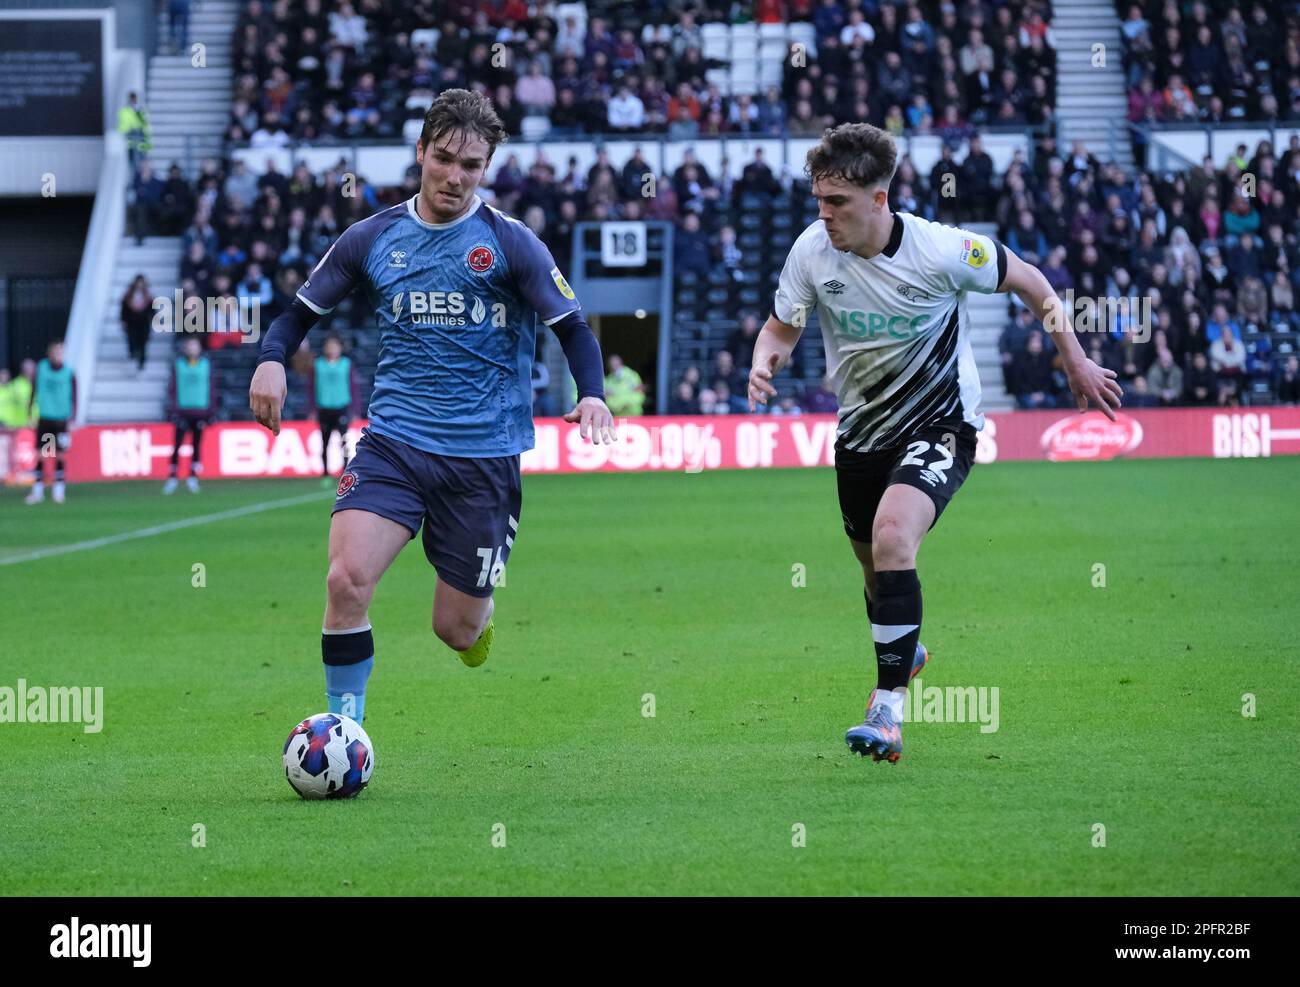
{"points": [[889, 291]]}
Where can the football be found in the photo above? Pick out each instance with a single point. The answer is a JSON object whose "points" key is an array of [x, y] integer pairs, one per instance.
{"points": [[328, 756]]}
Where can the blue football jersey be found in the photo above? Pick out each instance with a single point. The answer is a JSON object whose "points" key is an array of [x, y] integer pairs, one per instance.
{"points": [[457, 305]]}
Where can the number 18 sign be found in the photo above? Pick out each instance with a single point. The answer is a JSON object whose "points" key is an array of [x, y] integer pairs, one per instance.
{"points": [[622, 244]]}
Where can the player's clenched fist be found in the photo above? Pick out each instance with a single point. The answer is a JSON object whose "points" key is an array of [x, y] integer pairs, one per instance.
{"points": [[266, 394], [760, 381]]}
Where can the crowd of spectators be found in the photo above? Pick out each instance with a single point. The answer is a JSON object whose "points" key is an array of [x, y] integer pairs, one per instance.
{"points": [[317, 71], [1202, 253], [1186, 282], [1211, 61]]}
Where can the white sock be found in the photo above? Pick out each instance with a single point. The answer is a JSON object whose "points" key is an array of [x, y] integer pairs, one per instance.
{"points": [[38, 488], [894, 700]]}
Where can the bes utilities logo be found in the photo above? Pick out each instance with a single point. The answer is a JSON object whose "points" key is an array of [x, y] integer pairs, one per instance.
{"points": [[439, 308]]}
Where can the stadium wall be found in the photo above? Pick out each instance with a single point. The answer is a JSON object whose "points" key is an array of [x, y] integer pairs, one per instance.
{"points": [[240, 450]]}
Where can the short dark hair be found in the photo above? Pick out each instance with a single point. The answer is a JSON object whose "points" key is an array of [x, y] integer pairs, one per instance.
{"points": [[854, 152], [460, 109]]}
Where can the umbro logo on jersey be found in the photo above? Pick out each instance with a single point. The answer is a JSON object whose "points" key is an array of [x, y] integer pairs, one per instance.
{"points": [[398, 258], [929, 478], [835, 287]]}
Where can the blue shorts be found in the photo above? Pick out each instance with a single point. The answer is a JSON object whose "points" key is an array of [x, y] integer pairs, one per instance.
{"points": [[469, 507]]}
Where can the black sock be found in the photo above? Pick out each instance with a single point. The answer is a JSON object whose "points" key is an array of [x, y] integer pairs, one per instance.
{"points": [[896, 616]]}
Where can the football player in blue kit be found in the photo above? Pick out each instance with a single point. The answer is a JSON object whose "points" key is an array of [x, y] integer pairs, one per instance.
{"points": [[457, 288]]}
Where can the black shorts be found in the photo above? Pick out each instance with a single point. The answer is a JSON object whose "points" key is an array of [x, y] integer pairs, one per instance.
{"points": [[469, 507], [187, 421], [56, 427], [935, 460], [333, 420]]}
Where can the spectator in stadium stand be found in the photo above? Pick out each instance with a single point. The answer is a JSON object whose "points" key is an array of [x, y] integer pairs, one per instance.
{"points": [[176, 205], [192, 396], [710, 405], [1218, 279], [757, 177], [726, 373], [632, 180], [1012, 342], [1201, 386], [787, 407], [178, 24], [1056, 272], [1287, 385], [691, 250], [535, 92], [197, 268], [821, 399], [1032, 376], [684, 401], [1026, 240], [137, 316], [133, 125], [1228, 361], [334, 396], [1282, 299], [772, 113], [740, 342], [1219, 323], [624, 391], [1133, 350], [727, 255], [976, 181], [147, 192], [1165, 379]]}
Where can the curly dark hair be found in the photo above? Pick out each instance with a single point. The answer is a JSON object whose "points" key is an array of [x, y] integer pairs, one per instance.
{"points": [[460, 109], [854, 152]]}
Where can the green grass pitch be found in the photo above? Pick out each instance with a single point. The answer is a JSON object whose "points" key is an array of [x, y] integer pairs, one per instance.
{"points": [[1119, 705]]}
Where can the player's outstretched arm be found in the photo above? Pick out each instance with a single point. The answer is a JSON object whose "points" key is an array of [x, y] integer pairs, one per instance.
{"points": [[582, 351], [772, 351], [1089, 383], [268, 389]]}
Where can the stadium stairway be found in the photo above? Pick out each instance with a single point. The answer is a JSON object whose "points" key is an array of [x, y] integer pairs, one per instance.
{"points": [[189, 107], [988, 317], [188, 110], [1090, 100], [118, 393]]}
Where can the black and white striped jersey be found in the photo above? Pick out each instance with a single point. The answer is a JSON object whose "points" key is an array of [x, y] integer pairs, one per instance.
{"points": [[895, 327]]}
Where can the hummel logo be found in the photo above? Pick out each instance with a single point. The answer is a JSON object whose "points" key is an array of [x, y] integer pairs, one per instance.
{"points": [[836, 287], [399, 258]]}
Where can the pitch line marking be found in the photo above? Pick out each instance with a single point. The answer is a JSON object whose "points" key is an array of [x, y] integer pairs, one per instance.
{"points": [[159, 529]]}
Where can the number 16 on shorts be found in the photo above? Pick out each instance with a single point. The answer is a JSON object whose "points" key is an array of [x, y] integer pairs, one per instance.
{"points": [[493, 571]]}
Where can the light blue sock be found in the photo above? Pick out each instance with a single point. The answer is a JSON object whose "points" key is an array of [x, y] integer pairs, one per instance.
{"points": [[349, 658], [344, 681]]}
